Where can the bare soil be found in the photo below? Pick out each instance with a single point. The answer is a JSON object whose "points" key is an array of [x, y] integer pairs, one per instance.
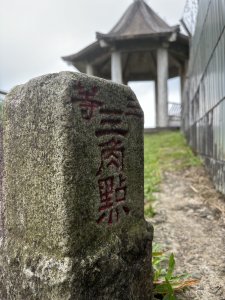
{"points": [[190, 222]]}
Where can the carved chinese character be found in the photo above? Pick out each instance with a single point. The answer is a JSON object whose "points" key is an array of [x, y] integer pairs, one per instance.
{"points": [[112, 198], [121, 192], [112, 189], [106, 192], [133, 109], [121, 189], [112, 153], [88, 102]]}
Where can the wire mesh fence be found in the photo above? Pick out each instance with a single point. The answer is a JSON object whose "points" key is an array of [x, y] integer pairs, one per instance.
{"points": [[203, 115], [189, 16]]}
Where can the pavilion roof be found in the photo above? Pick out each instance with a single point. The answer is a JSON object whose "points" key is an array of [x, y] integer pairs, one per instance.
{"points": [[137, 35], [138, 20]]}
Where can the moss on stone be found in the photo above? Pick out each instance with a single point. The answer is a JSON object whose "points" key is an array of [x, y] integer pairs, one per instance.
{"points": [[54, 246]]}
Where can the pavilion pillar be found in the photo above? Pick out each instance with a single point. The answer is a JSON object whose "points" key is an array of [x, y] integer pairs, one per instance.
{"points": [[162, 78], [156, 104], [116, 67], [182, 80], [89, 69]]}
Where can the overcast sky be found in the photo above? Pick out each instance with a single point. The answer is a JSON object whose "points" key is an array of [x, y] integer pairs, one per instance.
{"points": [[35, 34]]}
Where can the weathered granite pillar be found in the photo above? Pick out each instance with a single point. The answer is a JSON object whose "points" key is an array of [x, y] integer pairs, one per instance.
{"points": [[74, 218]]}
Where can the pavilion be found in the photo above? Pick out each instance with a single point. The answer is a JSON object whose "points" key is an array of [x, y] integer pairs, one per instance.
{"points": [[141, 46]]}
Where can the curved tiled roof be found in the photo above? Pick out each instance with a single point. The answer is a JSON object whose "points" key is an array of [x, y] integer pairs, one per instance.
{"points": [[139, 19]]}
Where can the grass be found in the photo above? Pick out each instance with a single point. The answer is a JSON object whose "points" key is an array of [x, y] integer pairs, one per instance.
{"points": [[164, 151]]}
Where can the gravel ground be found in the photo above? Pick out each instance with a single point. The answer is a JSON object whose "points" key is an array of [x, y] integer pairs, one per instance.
{"points": [[190, 222]]}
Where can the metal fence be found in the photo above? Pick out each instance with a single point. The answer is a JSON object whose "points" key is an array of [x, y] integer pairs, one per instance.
{"points": [[190, 16], [203, 115], [174, 109]]}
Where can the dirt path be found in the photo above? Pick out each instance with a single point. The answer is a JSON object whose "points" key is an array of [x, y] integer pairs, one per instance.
{"points": [[190, 222]]}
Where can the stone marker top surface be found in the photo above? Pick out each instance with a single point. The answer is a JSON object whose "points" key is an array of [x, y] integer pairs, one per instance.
{"points": [[80, 160]]}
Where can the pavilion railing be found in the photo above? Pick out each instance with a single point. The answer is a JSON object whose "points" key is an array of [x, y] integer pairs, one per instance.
{"points": [[174, 110]]}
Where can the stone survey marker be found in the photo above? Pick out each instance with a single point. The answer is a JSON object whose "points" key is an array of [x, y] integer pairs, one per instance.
{"points": [[74, 218]]}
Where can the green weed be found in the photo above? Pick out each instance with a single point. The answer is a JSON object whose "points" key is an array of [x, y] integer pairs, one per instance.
{"points": [[166, 283]]}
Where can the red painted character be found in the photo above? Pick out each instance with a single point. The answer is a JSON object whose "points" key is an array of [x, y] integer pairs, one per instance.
{"points": [[88, 102], [112, 197], [112, 155]]}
